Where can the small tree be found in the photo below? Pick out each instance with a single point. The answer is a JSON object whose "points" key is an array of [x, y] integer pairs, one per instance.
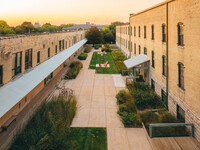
{"points": [[108, 35], [27, 27], [94, 36], [5, 29]]}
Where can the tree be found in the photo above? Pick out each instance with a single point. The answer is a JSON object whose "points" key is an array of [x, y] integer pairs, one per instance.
{"points": [[108, 35], [5, 29], [94, 36], [112, 27], [27, 27]]}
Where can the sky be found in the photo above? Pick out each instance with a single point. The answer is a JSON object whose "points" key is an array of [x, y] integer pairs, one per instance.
{"points": [[57, 12]]}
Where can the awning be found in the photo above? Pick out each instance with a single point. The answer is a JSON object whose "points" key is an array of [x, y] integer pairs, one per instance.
{"points": [[135, 61], [14, 91]]}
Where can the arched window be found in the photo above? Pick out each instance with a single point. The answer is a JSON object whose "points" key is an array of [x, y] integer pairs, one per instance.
{"points": [[180, 34]]}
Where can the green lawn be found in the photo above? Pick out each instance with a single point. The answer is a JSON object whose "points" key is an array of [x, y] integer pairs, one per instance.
{"points": [[97, 58], [87, 139]]}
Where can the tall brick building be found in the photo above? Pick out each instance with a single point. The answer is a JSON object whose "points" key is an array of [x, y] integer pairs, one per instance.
{"points": [[29, 62], [168, 34]]}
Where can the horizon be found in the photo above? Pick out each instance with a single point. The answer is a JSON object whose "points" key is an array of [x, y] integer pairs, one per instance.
{"points": [[60, 12]]}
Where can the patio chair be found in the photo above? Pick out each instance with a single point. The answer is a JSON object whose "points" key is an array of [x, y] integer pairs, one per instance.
{"points": [[100, 65], [105, 64], [104, 52]]}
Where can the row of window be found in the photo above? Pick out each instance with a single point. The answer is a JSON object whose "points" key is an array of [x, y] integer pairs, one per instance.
{"points": [[17, 58], [164, 34], [179, 111]]}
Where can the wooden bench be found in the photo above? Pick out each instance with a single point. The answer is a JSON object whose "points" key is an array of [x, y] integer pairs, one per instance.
{"points": [[8, 123]]}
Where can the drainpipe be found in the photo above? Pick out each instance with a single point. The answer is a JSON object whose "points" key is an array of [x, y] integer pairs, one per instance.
{"points": [[129, 37], [167, 59], [120, 37]]}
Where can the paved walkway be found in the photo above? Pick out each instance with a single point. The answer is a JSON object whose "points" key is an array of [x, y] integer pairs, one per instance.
{"points": [[97, 107]]}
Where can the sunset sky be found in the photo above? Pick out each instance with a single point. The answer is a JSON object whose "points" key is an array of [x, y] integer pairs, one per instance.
{"points": [[70, 11]]}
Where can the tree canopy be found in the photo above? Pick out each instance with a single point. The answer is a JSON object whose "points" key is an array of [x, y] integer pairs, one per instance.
{"points": [[94, 36], [5, 29], [108, 35]]}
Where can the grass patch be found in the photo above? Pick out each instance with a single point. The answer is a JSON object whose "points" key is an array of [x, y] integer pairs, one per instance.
{"points": [[163, 117], [87, 139], [48, 128], [75, 68], [98, 59], [88, 49], [119, 58], [83, 56], [127, 109]]}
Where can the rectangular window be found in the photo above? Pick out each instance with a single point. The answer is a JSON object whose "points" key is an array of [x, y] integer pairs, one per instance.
{"points": [[145, 51], [63, 45], [180, 34], [139, 31], [152, 32], [181, 75], [1, 75], [153, 63], [28, 58], [164, 98], [164, 68], [131, 46], [145, 32], [16, 63], [135, 49], [134, 31], [180, 114], [139, 50], [66, 45], [152, 84], [48, 78], [48, 52], [56, 49], [19, 105], [38, 57], [60, 45], [163, 33]]}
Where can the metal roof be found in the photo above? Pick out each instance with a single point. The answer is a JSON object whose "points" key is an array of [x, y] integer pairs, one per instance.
{"points": [[84, 26], [14, 91], [135, 61]]}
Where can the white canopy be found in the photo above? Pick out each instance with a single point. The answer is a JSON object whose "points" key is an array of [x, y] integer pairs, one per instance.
{"points": [[135, 61], [14, 91]]}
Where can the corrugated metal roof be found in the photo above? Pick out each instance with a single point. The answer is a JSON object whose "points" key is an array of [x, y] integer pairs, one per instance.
{"points": [[14, 91], [135, 61]]}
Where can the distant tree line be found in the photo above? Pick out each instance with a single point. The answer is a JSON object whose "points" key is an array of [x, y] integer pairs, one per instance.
{"points": [[106, 35], [28, 27]]}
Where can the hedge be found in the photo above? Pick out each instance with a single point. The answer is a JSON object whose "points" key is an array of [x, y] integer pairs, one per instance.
{"points": [[88, 49], [75, 68], [83, 56]]}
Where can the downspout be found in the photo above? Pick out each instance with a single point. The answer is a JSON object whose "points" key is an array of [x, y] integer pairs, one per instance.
{"points": [[120, 37], [129, 37], [167, 46]]}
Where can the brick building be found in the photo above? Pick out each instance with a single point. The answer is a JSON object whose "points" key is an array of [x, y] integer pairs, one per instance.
{"points": [[29, 62], [168, 34]]}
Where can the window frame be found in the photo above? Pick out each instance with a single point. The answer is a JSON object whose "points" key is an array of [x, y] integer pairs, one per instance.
{"points": [[18, 67], [49, 52], [164, 67], [152, 32], [1, 74], [145, 51], [181, 75], [180, 34], [139, 31], [145, 32], [28, 63], [38, 57], [164, 33], [153, 59]]}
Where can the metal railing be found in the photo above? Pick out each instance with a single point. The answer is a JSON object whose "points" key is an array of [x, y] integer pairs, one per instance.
{"points": [[127, 72], [153, 125]]}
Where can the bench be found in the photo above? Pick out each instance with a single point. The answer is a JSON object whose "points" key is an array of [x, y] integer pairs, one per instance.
{"points": [[8, 123]]}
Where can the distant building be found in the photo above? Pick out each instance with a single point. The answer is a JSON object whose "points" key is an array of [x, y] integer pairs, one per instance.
{"points": [[82, 26], [37, 25]]}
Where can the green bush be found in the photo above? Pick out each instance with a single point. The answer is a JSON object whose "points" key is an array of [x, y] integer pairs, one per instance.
{"points": [[88, 49], [75, 68], [106, 49], [130, 119], [123, 96], [163, 117], [97, 46], [144, 96], [122, 108], [49, 126], [83, 56]]}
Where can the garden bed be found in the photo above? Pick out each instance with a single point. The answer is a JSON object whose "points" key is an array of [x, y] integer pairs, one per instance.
{"points": [[88, 49], [101, 59], [83, 56], [119, 58], [75, 68], [48, 128]]}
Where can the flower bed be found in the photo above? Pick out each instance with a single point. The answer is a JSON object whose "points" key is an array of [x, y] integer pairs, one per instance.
{"points": [[75, 68], [88, 49]]}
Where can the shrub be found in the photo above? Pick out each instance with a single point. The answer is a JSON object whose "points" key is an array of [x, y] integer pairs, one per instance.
{"points": [[144, 96], [75, 68], [106, 49], [96, 46], [122, 108], [83, 56], [130, 119], [123, 96], [88, 49]]}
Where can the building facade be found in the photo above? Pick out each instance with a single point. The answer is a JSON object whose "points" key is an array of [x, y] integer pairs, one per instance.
{"points": [[169, 34], [27, 64]]}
